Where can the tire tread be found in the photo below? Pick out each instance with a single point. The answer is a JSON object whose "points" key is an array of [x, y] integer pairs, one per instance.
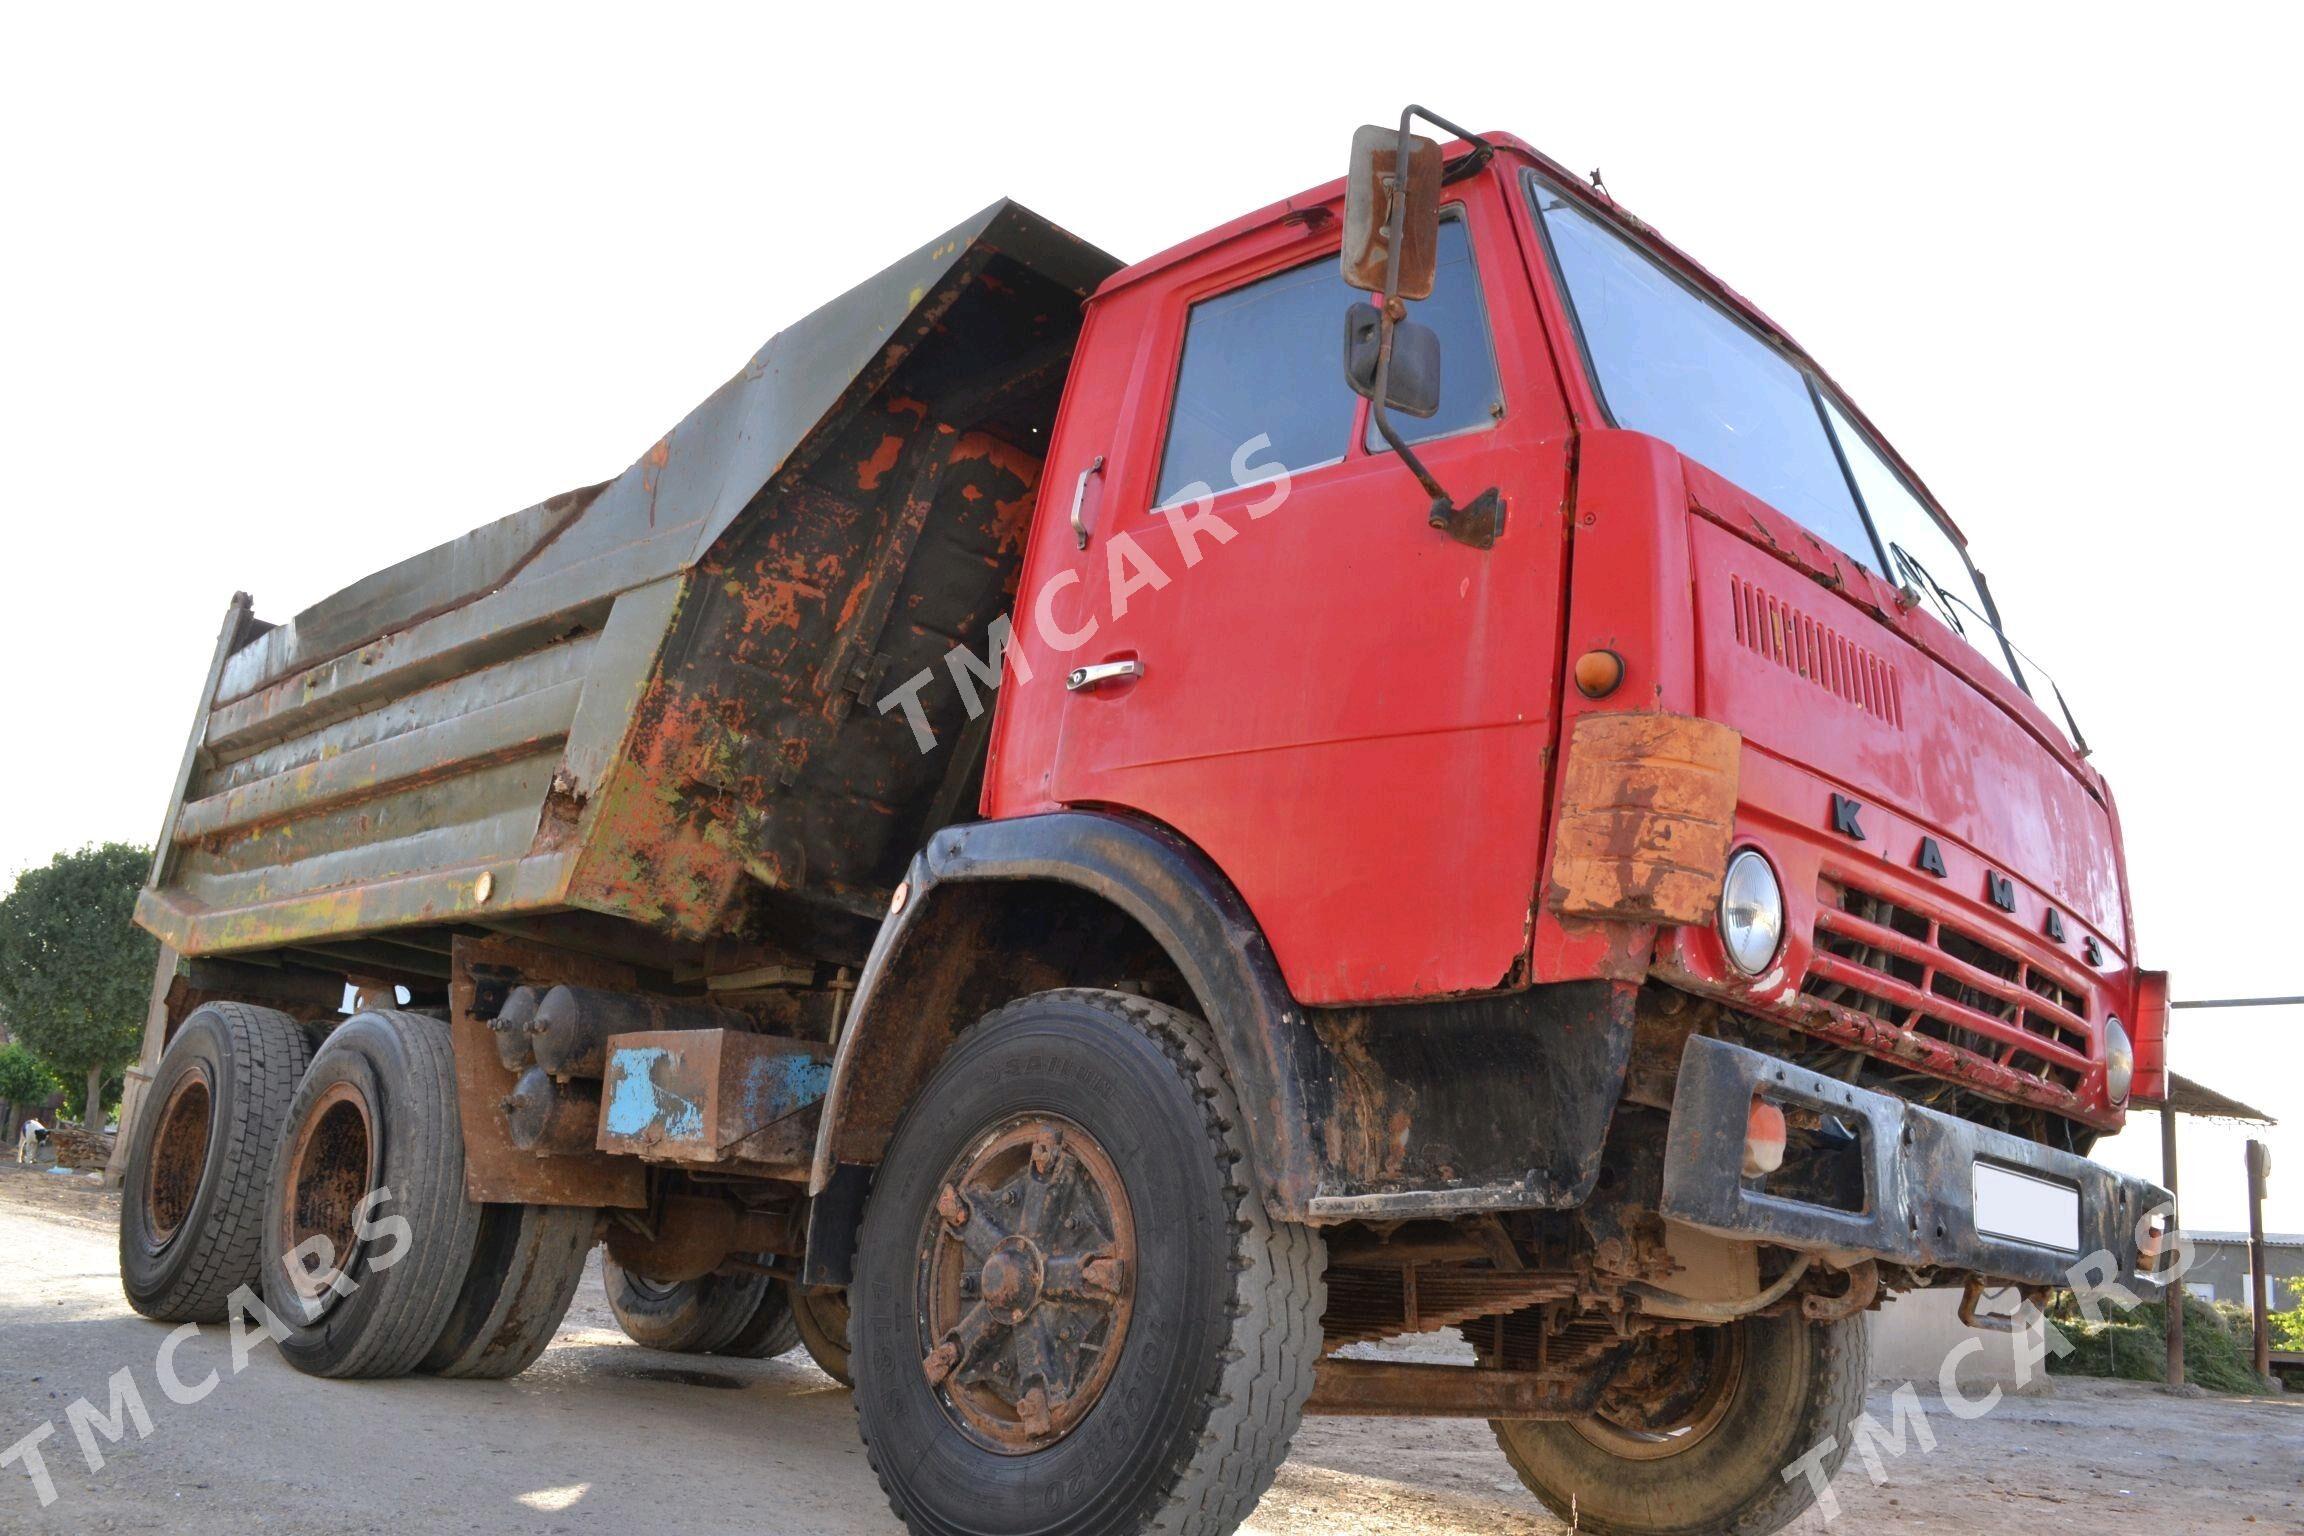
{"points": [[266, 1051]]}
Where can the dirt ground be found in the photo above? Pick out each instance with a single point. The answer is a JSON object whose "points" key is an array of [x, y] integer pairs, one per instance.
{"points": [[602, 1435]]}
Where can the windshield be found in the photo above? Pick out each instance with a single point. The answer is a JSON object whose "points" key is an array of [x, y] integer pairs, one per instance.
{"points": [[1672, 365], [1668, 361]]}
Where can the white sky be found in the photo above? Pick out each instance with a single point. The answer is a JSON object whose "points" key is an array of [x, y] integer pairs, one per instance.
{"points": [[292, 295]]}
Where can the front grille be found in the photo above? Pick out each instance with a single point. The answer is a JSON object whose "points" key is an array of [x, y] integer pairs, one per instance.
{"points": [[1889, 960]]}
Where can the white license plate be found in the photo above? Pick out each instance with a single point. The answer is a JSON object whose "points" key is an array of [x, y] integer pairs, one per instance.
{"points": [[2027, 1208]]}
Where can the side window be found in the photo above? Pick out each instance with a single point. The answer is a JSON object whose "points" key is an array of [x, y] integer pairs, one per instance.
{"points": [[1262, 360], [1469, 396], [1670, 364], [1921, 555]]}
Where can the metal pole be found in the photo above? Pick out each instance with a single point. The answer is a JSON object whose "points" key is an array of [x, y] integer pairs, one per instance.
{"points": [[2240, 1002], [2174, 1299], [2260, 1286]]}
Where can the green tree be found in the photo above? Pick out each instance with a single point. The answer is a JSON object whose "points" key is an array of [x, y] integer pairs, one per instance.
{"points": [[2287, 1327], [25, 1084], [75, 972]]}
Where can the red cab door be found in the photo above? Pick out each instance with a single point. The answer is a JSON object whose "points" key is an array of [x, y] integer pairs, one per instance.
{"points": [[1349, 712]]}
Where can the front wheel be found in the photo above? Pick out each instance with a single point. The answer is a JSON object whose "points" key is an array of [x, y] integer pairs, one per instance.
{"points": [[1695, 1434], [1071, 1314]]}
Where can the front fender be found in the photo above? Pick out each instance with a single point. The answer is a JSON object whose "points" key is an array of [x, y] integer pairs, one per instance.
{"points": [[919, 961]]}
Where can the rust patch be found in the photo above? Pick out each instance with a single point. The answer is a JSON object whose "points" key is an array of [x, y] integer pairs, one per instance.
{"points": [[1647, 808], [873, 470], [652, 472]]}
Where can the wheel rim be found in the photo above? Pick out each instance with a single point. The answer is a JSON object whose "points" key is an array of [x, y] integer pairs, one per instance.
{"points": [[331, 1168], [1670, 1397], [658, 1291], [1027, 1283], [179, 1156]]}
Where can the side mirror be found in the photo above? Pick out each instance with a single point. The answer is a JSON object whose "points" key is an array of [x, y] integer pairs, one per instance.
{"points": [[1413, 384], [1392, 249], [1370, 188]]}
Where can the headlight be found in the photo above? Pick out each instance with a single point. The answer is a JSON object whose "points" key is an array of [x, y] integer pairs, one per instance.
{"points": [[1751, 912], [2119, 1060]]}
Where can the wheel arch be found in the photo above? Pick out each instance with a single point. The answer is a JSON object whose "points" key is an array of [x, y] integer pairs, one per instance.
{"points": [[992, 910]]}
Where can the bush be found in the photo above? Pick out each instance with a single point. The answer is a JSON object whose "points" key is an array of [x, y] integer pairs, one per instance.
{"points": [[2288, 1326], [2132, 1345]]}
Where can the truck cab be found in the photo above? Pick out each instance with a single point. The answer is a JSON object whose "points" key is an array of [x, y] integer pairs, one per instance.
{"points": [[1374, 732], [1082, 838], [1704, 778]]}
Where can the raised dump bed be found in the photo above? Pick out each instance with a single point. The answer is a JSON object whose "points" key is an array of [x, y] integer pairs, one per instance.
{"points": [[652, 701]]}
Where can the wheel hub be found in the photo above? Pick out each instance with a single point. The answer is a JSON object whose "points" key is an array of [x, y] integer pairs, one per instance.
{"points": [[179, 1156], [1671, 1395], [1011, 1279], [1027, 1281], [331, 1169]]}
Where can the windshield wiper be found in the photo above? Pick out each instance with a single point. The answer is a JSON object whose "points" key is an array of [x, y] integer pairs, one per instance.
{"points": [[2026, 666], [1945, 601]]}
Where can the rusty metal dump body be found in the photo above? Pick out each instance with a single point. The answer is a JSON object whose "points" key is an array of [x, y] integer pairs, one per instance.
{"points": [[652, 701]]}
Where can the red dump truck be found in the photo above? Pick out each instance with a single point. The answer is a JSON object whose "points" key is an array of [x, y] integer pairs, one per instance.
{"points": [[1079, 838]]}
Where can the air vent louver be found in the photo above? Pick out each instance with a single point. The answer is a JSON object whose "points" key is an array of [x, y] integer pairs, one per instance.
{"points": [[1771, 627]]}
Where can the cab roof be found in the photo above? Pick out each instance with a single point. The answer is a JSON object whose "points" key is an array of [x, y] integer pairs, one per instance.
{"points": [[1329, 196]]}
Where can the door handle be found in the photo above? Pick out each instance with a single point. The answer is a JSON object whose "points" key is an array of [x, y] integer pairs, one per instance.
{"points": [[1080, 502], [1080, 678]]}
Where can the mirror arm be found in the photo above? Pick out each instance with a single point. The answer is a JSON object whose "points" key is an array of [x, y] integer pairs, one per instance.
{"points": [[1480, 520], [1390, 433]]}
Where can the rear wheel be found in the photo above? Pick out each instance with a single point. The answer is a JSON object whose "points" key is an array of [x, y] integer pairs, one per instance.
{"points": [[526, 1263], [685, 1317], [368, 1236], [192, 1201], [1695, 1433], [821, 1314], [1071, 1314], [772, 1330]]}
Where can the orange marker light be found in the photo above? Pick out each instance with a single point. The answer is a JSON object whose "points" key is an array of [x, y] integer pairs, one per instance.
{"points": [[1598, 672], [1763, 1139]]}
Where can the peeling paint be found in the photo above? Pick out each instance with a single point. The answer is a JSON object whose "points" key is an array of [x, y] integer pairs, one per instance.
{"points": [[635, 1099]]}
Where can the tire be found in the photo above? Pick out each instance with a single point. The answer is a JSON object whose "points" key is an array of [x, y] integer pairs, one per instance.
{"points": [[688, 1317], [192, 1199], [381, 1088], [821, 1315], [1795, 1383], [527, 1261], [1109, 1118], [771, 1330]]}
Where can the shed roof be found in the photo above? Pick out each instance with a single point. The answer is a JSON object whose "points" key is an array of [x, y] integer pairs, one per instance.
{"points": [[2187, 1097]]}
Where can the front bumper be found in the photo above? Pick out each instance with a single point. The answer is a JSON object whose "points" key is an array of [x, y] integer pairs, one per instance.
{"points": [[1918, 1178]]}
